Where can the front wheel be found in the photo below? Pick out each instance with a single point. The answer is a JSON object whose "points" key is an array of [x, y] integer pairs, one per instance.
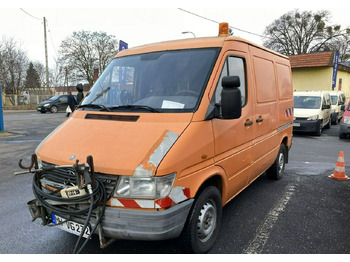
{"points": [[203, 223], [276, 170], [53, 109]]}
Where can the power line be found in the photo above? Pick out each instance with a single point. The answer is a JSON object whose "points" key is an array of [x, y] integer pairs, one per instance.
{"points": [[211, 20], [29, 14], [53, 44]]}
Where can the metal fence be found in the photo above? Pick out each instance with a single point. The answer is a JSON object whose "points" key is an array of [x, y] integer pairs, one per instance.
{"points": [[23, 100]]}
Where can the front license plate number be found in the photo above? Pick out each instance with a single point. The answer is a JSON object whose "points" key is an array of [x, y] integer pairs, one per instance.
{"points": [[296, 124], [70, 226]]}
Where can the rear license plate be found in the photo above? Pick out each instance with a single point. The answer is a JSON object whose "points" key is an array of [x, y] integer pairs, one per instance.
{"points": [[70, 226], [296, 124]]}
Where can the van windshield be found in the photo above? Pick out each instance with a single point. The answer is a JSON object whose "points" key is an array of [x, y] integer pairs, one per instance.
{"points": [[167, 81], [334, 100], [307, 102]]}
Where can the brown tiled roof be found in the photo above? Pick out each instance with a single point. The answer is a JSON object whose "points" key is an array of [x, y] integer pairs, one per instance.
{"points": [[312, 60]]}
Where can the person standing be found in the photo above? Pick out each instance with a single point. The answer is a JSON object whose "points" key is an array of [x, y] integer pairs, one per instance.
{"points": [[71, 102], [80, 95]]}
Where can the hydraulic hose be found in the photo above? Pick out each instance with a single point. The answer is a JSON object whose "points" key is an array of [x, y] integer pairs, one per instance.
{"points": [[45, 198]]}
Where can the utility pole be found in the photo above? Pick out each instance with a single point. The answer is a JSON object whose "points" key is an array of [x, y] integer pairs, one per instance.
{"points": [[46, 58]]}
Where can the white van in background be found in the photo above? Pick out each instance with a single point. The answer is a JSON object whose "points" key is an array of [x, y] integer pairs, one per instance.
{"points": [[312, 111], [338, 99]]}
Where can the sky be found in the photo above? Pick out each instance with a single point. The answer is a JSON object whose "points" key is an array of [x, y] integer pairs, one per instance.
{"points": [[152, 21]]}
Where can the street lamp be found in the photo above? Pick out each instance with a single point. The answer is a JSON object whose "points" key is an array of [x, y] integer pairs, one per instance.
{"points": [[189, 32]]}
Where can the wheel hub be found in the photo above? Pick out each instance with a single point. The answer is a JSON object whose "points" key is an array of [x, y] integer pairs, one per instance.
{"points": [[206, 221]]}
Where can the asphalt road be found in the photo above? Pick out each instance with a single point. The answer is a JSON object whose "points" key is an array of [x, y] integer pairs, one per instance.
{"points": [[304, 213]]}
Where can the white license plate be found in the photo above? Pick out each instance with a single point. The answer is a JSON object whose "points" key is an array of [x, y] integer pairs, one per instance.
{"points": [[70, 226], [296, 124]]}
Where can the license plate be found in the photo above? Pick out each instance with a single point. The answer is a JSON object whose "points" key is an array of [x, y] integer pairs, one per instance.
{"points": [[296, 124], [70, 226]]}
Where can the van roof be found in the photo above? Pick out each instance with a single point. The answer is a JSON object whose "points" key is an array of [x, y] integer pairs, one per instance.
{"points": [[199, 42], [336, 92], [310, 93]]}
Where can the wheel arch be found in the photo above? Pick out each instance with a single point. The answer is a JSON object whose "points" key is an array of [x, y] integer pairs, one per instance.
{"points": [[214, 176]]}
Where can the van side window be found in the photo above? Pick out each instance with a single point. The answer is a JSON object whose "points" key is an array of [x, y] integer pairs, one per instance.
{"points": [[234, 66]]}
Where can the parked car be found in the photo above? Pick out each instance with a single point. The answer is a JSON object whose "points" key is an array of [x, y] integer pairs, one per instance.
{"points": [[312, 111], [338, 100], [54, 104], [344, 129]]}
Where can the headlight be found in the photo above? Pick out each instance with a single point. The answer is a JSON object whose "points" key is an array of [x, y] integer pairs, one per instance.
{"points": [[333, 111], [347, 120], [315, 117], [46, 105], [144, 187]]}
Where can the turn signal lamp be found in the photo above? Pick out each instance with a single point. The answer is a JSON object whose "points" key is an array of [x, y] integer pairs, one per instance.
{"points": [[223, 29]]}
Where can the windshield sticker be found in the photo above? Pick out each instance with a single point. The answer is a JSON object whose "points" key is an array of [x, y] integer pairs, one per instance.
{"points": [[172, 105]]}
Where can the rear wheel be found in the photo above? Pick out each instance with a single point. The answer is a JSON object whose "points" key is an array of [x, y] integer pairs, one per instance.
{"points": [[277, 169], [203, 223]]}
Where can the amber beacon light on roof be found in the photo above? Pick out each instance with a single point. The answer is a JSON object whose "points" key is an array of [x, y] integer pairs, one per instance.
{"points": [[223, 29]]}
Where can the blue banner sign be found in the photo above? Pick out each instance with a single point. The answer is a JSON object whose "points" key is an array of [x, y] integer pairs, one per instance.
{"points": [[122, 45], [335, 70]]}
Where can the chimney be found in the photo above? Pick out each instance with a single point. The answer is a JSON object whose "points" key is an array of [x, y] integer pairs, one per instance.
{"points": [[95, 75]]}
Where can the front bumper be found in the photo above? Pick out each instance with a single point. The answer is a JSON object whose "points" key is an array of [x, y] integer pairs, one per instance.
{"points": [[140, 225], [303, 125], [42, 109], [145, 225], [344, 129]]}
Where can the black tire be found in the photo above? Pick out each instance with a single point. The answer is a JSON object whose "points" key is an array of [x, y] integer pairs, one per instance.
{"points": [[277, 169], [319, 130], [342, 136], [53, 109], [203, 222]]}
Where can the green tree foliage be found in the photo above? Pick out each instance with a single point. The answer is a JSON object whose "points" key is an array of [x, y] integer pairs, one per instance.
{"points": [[32, 81], [304, 32], [85, 51]]}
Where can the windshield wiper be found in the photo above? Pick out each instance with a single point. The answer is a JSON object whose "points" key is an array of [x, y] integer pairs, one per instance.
{"points": [[102, 107], [148, 108]]}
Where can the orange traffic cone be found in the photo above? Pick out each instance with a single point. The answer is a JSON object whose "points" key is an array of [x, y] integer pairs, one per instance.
{"points": [[339, 172]]}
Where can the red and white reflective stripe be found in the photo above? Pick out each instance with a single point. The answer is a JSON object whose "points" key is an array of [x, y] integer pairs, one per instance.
{"points": [[123, 202], [288, 112], [177, 195]]}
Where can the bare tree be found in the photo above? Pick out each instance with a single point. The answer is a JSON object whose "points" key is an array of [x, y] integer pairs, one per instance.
{"points": [[84, 51], [13, 66], [304, 32]]}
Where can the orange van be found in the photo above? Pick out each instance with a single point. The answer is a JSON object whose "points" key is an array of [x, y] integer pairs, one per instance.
{"points": [[167, 136]]}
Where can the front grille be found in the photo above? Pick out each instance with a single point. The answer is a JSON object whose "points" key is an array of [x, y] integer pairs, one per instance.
{"points": [[61, 178]]}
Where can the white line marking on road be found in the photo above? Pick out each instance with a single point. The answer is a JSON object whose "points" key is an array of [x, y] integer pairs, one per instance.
{"points": [[257, 244]]}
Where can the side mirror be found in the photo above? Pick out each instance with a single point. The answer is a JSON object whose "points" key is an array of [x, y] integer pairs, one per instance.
{"points": [[342, 108], [231, 97], [326, 107]]}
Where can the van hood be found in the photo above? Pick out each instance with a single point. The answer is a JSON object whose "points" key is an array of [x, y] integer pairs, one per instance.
{"points": [[305, 113], [120, 143]]}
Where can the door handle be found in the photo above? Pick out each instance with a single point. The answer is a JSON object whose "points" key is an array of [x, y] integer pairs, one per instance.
{"points": [[259, 120], [248, 123]]}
